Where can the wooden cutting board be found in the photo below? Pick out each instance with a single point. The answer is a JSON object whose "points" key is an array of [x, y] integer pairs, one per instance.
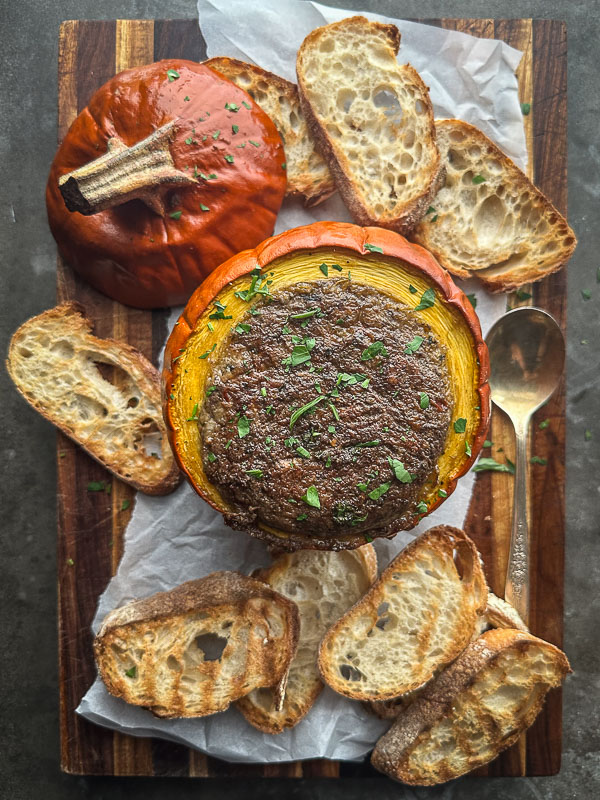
{"points": [[91, 524]]}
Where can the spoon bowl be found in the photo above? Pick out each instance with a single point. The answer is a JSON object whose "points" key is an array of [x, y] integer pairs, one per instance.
{"points": [[527, 356]]}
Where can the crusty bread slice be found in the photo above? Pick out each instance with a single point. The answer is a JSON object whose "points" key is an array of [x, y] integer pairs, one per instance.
{"points": [[103, 394], [476, 708], [372, 120], [194, 650], [307, 173], [415, 619], [323, 585], [488, 219], [498, 614]]}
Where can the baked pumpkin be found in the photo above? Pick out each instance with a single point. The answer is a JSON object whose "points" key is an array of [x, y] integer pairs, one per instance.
{"points": [[168, 171], [326, 388]]}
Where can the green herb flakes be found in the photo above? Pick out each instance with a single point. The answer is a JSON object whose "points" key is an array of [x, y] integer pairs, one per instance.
{"points": [[362, 486], [374, 350], [210, 327], [175, 214], [246, 105], [306, 314], [423, 400], [125, 505], [467, 448], [336, 267], [189, 140], [97, 486], [235, 129], [379, 491], [373, 443], [472, 299], [208, 352], [413, 345], [243, 327], [587, 436], [303, 452], [254, 473], [186, 99], [412, 289], [203, 207], [401, 473], [194, 414], [460, 425], [478, 179], [324, 269], [70, 562], [232, 107], [304, 409], [302, 517], [211, 458], [487, 443], [311, 497], [131, 673], [430, 210], [421, 507], [254, 144], [427, 300], [172, 75], [442, 493], [523, 295], [229, 159], [525, 108], [538, 460], [544, 424], [586, 294], [335, 412], [210, 390], [491, 465], [372, 248], [243, 426]]}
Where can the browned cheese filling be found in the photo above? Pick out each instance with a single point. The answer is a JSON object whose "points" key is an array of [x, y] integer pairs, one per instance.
{"points": [[327, 411]]}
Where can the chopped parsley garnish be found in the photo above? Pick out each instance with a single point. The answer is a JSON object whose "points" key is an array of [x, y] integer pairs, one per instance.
{"points": [[189, 140], [254, 473], [525, 108], [349, 380], [210, 326], [587, 435], [467, 448], [460, 425], [99, 486], [522, 295], [368, 539], [210, 390], [306, 314], [211, 457], [194, 415], [373, 443], [263, 391], [311, 498], [427, 300], [491, 465], [216, 134], [324, 269], [300, 354], [335, 412], [373, 248], [172, 74], [421, 507], [423, 400], [586, 294], [301, 517], [243, 426], [442, 493], [487, 443], [362, 486], [175, 214], [472, 299], [219, 311], [255, 144], [203, 207], [258, 285], [132, 670], [430, 210], [538, 460], [304, 409], [412, 289], [229, 159], [243, 327], [544, 424], [478, 179], [373, 350], [399, 470], [208, 352], [125, 505], [336, 267], [186, 99], [232, 107], [379, 491], [235, 128], [303, 452], [246, 105], [414, 345]]}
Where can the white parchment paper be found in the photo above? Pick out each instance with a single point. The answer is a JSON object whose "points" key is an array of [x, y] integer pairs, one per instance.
{"points": [[178, 538]]}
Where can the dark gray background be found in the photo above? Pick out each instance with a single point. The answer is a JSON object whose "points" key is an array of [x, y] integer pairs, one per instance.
{"points": [[29, 753]]}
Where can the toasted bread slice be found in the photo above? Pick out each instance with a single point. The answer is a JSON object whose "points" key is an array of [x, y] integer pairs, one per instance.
{"points": [[307, 173], [103, 394], [415, 619], [323, 585], [372, 120], [194, 650], [488, 219], [473, 710], [498, 614]]}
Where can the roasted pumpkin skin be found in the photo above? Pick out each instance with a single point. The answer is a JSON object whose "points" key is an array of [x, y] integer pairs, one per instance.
{"points": [[135, 255], [380, 258]]}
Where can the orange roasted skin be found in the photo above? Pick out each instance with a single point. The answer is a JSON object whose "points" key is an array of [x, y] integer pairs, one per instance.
{"points": [[347, 237], [135, 255]]}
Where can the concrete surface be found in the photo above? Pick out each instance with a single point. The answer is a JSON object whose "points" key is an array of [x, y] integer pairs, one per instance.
{"points": [[29, 754]]}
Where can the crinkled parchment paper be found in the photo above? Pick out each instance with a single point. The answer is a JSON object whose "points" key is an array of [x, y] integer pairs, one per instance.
{"points": [[177, 538]]}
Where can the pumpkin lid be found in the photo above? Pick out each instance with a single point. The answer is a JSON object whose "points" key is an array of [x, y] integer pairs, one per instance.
{"points": [[201, 169]]}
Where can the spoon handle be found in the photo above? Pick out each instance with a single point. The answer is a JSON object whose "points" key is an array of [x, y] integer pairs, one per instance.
{"points": [[516, 591]]}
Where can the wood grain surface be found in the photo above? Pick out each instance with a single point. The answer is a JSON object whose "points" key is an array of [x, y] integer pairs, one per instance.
{"points": [[91, 524]]}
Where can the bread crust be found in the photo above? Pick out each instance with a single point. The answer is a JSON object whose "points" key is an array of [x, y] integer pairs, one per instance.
{"points": [[495, 278], [219, 592], [339, 164], [77, 328], [313, 182], [443, 541], [435, 702]]}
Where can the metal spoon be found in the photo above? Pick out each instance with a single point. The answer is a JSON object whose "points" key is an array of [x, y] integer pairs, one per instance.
{"points": [[527, 354]]}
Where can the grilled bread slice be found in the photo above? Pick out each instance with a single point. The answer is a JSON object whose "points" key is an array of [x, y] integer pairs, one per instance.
{"points": [[323, 585], [103, 394], [372, 120], [473, 710], [307, 173], [415, 619], [194, 650], [498, 614], [488, 219]]}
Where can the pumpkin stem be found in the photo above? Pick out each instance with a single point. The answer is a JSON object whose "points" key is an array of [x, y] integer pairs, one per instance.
{"points": [[125, 173]]}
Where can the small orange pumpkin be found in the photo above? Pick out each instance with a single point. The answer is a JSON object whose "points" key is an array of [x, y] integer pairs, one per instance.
{"points": [[172, 169], [377, 258]]}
